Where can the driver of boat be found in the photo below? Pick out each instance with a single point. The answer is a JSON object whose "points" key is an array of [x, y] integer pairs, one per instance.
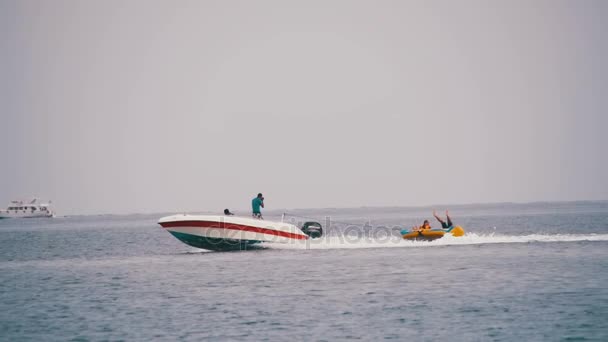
{"points": [[227, 212], [444, 225], [256, 203]]}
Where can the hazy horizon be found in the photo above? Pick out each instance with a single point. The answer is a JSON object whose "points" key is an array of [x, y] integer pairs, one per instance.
{"points": [[294, 212], [157, 106]]}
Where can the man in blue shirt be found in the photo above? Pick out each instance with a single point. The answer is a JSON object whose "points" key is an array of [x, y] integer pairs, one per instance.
{"points": [[256, 203]]}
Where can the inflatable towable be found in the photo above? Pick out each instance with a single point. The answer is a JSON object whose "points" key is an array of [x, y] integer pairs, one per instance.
{"points": [[431, 234]]}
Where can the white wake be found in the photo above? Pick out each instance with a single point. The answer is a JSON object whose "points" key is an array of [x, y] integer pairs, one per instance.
{"points": [[345, 242]]}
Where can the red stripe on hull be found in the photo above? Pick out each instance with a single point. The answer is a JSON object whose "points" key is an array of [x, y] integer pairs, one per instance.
{"points": [[232, 226]]}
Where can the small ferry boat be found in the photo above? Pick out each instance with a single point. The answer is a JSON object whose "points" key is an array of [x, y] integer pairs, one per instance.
{"points": [[23, 209], [221, 233]]}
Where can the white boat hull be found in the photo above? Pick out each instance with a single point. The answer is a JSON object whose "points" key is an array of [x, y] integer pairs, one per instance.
{"points": [[23, 214], [228, 232]]}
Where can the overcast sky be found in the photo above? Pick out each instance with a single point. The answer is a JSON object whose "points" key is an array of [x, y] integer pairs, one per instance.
{"points": [[160, 106]]}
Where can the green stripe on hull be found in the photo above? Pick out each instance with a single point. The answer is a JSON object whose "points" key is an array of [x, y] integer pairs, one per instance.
{"points": [[215, 244]]}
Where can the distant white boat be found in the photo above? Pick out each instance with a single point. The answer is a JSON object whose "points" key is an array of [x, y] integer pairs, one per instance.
{"points": [[23, 209]]}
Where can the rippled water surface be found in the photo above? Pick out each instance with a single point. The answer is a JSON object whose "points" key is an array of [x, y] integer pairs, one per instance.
{"points": [[522, 272]]}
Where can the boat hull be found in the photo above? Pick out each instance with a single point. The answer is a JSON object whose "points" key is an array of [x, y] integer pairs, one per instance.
{"points": [[221, 233], [8, 214], [215, 244]]}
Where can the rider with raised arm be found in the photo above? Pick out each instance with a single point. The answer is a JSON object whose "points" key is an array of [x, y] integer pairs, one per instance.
{"points": [[444, 225]]}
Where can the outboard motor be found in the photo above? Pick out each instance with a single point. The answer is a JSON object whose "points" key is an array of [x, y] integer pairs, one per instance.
{"points": [[312, 229]]}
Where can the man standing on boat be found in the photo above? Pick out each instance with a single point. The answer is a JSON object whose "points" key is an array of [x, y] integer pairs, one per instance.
{"points": [[256, 203]]}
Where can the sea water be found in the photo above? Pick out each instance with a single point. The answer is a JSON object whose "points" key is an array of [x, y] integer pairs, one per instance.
{"points": [[526, 272]]}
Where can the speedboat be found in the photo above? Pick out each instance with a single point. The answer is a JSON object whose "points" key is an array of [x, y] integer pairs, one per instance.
{"points": [[431, 234], [222, 233]]}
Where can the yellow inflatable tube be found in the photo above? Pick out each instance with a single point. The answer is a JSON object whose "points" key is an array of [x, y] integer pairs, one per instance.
{"points": [[431, 234]]}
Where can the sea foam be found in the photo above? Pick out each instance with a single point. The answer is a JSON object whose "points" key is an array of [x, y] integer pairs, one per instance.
{"points": [[352, 242]]}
